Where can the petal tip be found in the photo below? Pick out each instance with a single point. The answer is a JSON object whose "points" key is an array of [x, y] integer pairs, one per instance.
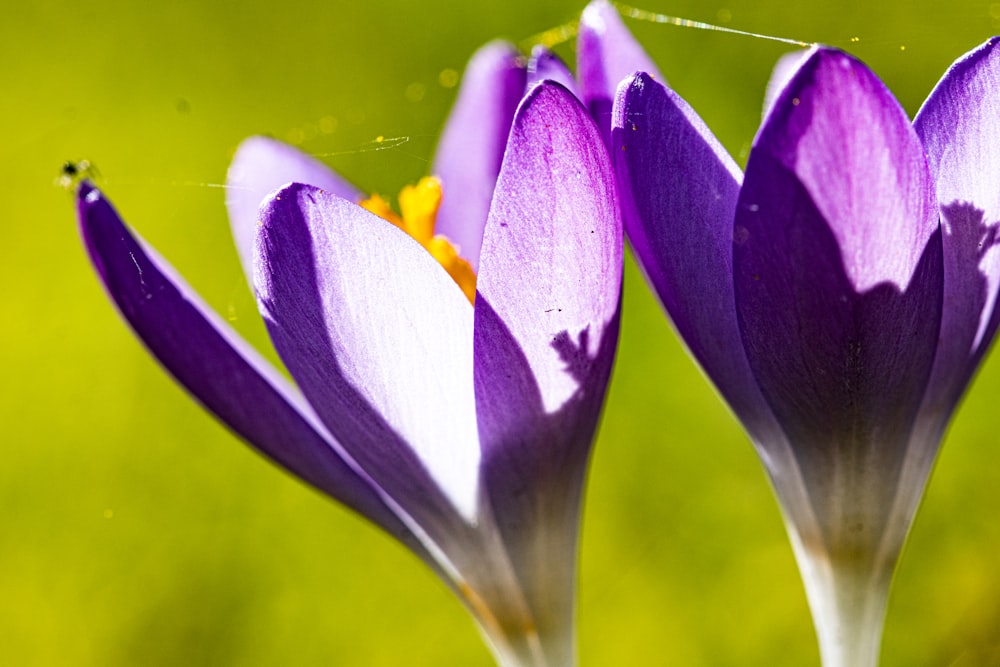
{"points": [[87, 192], [638, 81], [545, 92], [594, 15], [289, 192], [496, 53]]}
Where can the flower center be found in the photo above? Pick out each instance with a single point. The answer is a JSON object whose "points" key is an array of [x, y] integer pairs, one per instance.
{"points": [[418, 206]]}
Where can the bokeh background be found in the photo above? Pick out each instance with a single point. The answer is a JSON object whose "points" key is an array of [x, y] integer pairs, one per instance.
{"points": [[134, 530]]}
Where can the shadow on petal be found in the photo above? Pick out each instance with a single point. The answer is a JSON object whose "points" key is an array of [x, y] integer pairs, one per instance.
{"points": [[969, 322], [971, 317], [534, 448], [534, 465], [844, 370]]}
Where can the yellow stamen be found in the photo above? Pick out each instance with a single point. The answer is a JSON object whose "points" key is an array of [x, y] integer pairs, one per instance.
{"points": [[419, 207], [381, 208]]}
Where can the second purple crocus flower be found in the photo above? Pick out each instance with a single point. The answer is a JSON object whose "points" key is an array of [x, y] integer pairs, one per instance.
{"points": [[841, 294], [463, 430]]}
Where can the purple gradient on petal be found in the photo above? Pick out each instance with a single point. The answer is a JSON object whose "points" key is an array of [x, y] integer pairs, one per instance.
{"points": [[848, 141], [606, 53], [218, 368], [261, 166], [543, 355], [840, 335], [554, 221], [959, 126], [473, 141]]}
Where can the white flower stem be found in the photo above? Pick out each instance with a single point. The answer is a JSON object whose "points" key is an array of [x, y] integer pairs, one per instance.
{"points": [[848, 594], [847, 518]]}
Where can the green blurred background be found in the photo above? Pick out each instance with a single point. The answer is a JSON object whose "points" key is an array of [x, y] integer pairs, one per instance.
{"points": [[137, 531]]}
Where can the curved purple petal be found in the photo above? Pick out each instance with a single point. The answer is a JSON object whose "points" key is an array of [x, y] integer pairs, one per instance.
{"points": [[606, 53], [472, 144], [838, 282], [379, 338], [546, 327], [545, 65], [679, 188], [959, 126], [218, 368], [261, 166]]}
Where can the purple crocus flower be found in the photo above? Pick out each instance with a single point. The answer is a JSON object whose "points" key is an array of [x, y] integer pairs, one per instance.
{"points": [[462, 430], [841, 294]]}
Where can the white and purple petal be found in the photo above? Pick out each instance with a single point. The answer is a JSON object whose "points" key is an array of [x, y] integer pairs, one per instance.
{"points": [[959, 126], [379, 339], [782, 73]]}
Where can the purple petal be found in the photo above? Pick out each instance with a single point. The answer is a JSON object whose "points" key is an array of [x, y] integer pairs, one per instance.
{"points": [[218, 368], [960, 129], [554, 221], [545, 65], [379, 338], [468, 157], [261, 166], [546, 326], [837, 264], [606, 53], [679, 189]]}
